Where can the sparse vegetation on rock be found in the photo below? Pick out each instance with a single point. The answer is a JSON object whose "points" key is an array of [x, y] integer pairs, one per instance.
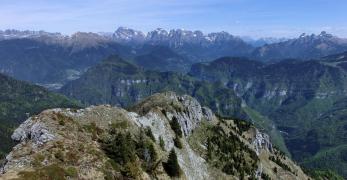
{"points": [[104, 142]]}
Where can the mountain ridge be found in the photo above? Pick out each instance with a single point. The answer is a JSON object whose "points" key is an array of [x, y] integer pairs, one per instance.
{"points": [[50, 149], [306, 47], [196, 45], [20, 99]]}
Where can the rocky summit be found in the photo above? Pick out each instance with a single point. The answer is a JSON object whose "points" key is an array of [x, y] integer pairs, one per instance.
{"points": [[164, 136]]}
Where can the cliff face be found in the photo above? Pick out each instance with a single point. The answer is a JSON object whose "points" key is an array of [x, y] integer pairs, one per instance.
{"points": [[303, 101], [118, 82], [85, 144]]}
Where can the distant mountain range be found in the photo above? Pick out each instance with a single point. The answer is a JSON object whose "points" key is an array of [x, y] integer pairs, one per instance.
{"points": [[306, 47], [52, 59], [196, 45]]}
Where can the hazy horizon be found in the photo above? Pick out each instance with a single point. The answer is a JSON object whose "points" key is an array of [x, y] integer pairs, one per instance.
{"points": [[238, 17], [145, 32]]}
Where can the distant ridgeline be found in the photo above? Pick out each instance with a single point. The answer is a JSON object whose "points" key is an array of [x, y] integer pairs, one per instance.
{"points": [[52, 59], [118, 82]]}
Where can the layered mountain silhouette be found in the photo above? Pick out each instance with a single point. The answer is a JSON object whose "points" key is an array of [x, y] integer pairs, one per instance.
{"points": [[52, 59], [294, 89]]}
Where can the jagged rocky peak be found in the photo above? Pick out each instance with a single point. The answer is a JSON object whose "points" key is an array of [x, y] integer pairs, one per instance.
{"points": [[322, 36], [124, 34], [323, 42], [109, 142], [325, 34], [186, 33], [17, 34], [157, 36], [173, 37], [81, 40], [221, 36], [180, 36], [261, 141]]}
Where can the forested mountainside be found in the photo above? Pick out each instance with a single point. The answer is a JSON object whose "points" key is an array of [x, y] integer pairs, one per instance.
{"points": [[51, 64], [118, 82], [18, 100], [287, 98], [304, 100], [165, 136]]}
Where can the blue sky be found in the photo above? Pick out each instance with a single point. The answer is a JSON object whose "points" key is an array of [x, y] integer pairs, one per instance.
{"points": [[256, 18]]}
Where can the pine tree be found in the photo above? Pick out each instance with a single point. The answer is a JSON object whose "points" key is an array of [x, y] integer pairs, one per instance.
{"points": [[121, 148], [175, 126], [172, 167]]}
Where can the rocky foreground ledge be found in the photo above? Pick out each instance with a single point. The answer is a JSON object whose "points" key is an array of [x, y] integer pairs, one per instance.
{"points": [[163, 137]]}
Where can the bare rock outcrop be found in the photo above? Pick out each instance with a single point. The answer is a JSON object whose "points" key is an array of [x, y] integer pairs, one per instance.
{"points": [[262, 142], [31, 130]]}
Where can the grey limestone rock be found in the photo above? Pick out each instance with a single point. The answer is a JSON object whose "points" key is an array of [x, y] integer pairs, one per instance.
{"points": [[35, 131]]}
